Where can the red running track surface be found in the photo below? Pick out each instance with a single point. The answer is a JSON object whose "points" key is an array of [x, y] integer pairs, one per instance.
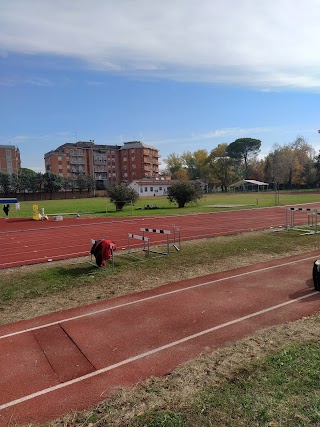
{"points": [[70, 360], [24, 241]]}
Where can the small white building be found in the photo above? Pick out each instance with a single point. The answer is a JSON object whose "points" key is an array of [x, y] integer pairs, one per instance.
{"points": [[147, 188]]}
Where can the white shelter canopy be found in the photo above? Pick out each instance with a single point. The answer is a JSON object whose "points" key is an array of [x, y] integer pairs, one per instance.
{"points": [[250, 185]]}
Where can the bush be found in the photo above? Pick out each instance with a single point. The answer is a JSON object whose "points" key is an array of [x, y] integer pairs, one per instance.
{"points": [[122, 196], [184, 192]]}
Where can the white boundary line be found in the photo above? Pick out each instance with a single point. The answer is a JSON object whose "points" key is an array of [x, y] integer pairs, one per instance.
{"points": [[149, 353], [156, 296]]}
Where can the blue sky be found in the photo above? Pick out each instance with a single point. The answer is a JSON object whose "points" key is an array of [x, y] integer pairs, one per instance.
{"points": [[180, 75]]}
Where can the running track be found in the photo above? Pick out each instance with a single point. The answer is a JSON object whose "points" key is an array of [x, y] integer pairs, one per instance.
{"points": [[70, 360], [25, 241]]}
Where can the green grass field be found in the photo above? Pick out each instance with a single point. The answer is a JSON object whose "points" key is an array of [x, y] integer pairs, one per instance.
{"points": [[101, 206]]}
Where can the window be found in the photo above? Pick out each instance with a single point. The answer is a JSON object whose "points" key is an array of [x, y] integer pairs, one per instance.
{"points": [[8, 154], [141, 190], [151, 188], [160, 188], [145, 189], [59, 158]]}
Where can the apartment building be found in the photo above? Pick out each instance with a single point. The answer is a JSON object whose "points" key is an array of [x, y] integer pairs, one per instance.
{"points": [[10, 161], [137, 161], [109, 164]]}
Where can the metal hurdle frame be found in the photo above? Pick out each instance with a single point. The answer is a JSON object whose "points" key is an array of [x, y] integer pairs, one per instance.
{"points": [[146, 245], [176, 231], [312, 213]]}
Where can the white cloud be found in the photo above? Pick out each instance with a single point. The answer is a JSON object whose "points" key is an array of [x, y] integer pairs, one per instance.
{"points": [[215, 136], [267, 44]]}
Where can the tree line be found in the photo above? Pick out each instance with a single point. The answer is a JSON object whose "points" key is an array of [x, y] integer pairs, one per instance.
{"points": [[32, 182], [293, 165]]}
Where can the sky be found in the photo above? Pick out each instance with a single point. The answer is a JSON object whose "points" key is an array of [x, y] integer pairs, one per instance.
{"points": [[180, 75]]}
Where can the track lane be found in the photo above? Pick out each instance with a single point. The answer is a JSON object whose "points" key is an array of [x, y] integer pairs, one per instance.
{"points": [[20, 245]]}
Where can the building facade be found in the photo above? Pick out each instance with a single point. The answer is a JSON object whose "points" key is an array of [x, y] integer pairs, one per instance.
{"points": [[10, 161], [147, 188], [108, 164]]}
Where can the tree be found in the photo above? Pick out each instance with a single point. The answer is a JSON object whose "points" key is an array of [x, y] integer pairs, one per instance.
{"points": [[291, 164], [244, 149], [195, 163], [184, 192], [39, 183], [221, 167], [65, 185], [174, 163], [180, 175], [122, 196], [81, 182], [15, 183], [90, 183], [72, 183], [28, 180], [52, 182], [5, 182], [256, 169]]}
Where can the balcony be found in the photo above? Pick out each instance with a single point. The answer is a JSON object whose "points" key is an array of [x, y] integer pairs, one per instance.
{"points": [[75, 161]]}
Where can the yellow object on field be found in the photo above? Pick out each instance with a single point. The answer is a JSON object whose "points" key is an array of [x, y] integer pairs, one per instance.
{"points": [[35, 210]]}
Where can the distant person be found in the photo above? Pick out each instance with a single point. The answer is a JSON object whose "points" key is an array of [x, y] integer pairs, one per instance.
{"points": [[6, 209]]}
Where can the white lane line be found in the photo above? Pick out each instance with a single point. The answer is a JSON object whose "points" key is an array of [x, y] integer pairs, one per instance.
{"points": [[103, 310], [150, 352]]}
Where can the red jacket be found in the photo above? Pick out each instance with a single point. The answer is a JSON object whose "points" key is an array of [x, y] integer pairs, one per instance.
{"points": [[107, 246]]}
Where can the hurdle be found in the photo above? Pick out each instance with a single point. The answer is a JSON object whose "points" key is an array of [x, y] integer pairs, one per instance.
{"points": [[146, 245], [176, 235], [312, 215]]}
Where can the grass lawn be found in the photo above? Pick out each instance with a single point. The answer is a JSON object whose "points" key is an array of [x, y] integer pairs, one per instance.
{"points": [[101, 206]]}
